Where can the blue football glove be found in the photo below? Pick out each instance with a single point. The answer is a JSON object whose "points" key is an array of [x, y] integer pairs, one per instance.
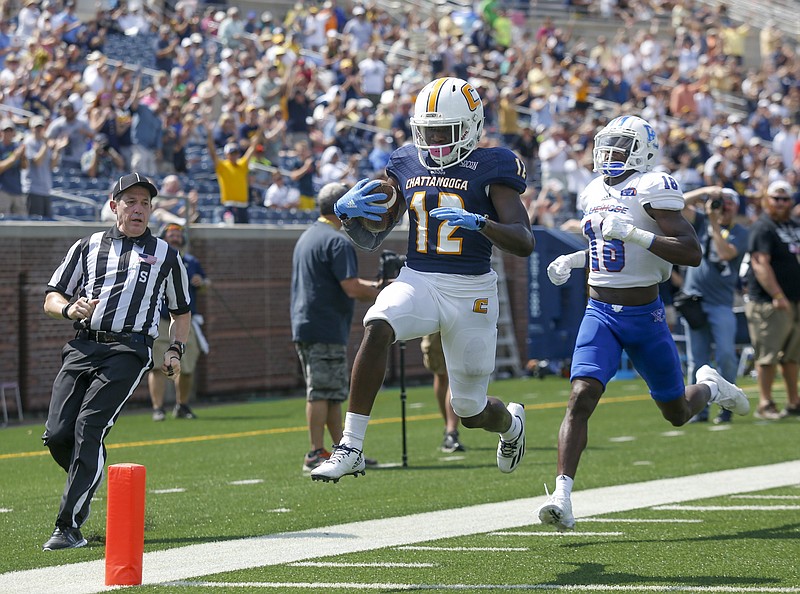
{"points": [[458, 217], [356, 202]]}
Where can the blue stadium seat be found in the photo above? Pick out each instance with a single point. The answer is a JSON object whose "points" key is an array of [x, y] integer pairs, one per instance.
{"points": [[207, 199], [83, 212], [210, 214], [258, 214]]}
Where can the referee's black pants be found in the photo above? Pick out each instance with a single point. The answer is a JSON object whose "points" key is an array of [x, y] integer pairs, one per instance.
{"points": [[89, 392]]}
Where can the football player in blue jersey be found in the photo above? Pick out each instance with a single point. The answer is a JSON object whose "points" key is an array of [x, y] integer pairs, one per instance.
{"points": [[636, 232], [461, 201]]}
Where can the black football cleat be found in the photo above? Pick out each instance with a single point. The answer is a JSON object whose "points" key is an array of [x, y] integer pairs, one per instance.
{"points": [[64, 538]]}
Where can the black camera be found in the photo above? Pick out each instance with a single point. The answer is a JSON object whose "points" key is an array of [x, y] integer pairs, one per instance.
{"points": [[389, 265], [716, 204]]}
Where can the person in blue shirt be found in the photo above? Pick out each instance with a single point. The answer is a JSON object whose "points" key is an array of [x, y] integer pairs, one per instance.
{"points": [[715, 280], [462, 201], [175, 236], [12, 162], [325, 286]]}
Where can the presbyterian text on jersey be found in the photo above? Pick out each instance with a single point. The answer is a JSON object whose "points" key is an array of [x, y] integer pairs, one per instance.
{"points": [[609, 208]]}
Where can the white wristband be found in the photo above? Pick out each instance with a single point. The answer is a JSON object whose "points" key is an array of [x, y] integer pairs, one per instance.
{"points": [[577, 259], [641, 237]]}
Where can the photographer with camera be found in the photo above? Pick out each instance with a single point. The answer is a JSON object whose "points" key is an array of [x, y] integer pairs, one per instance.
{"points": [[712, 210], [101, 160], [325, 285]]}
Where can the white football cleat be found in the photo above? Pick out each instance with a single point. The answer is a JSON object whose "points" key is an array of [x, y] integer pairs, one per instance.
{"points": [[557, 511], [510, 453], [729, 396], [344, 460]]}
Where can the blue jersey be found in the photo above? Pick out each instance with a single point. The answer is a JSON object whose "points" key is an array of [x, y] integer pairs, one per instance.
{"points": [[434, 246]]}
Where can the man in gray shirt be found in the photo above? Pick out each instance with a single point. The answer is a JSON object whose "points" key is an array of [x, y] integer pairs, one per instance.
{"points": [[75, 132], [37, 179]]}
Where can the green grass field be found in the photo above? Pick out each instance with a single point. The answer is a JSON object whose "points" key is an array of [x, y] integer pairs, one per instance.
{"points": [[235, 472]]}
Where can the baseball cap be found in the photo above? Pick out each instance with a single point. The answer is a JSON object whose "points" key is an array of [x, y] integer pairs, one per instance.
{"points": [[35, 122], [7, 125], [133, 179], [232, 147], [779, 185], [731, 195]]}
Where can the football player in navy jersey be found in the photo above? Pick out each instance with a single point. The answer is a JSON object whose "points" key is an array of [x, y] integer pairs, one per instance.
{"points": [[461, 200], [636, 232]]}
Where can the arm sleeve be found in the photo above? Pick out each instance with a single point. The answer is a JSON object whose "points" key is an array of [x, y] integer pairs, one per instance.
{"points": [[68, 275], [177, 293], [366, 240]]}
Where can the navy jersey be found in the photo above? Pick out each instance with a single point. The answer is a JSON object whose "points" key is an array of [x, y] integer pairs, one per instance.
{"points": [[433, 245]]}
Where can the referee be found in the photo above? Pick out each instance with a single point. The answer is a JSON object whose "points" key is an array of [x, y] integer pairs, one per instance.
{"points": [[111, 284]]}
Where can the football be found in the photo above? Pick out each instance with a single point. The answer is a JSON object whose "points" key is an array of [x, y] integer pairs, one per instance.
{"points": [[388, 218]]}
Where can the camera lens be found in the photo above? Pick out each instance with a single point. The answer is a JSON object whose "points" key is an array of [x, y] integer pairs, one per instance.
{"points": [[716, 204]]}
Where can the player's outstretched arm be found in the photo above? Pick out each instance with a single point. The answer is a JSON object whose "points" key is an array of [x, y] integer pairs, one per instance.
{"points": [[511, 232], [560, 269]]}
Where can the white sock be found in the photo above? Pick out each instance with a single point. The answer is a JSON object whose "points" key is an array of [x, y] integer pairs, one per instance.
{"points": [[563, 486], [713, 387], [513, 431], [355, 428]]}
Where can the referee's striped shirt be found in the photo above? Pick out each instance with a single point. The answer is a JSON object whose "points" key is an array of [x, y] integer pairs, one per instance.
{"points": [[130, 277]]}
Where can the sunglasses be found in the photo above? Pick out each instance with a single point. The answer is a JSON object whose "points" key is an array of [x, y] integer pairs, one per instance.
{"points": [[781, 198]]}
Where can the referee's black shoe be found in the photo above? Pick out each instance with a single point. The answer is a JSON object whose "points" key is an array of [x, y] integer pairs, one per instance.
{"points": [[64, 538]]}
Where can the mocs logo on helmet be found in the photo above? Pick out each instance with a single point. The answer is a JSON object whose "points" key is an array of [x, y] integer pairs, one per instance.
{"points": [[447, 122]]}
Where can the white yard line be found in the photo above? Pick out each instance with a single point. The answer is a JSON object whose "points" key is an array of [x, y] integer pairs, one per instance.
{"points": [[728, 507], [278, 549], [353, 586]]}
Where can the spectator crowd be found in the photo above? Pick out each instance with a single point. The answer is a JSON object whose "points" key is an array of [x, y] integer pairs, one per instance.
{"points": [[328, 89]]}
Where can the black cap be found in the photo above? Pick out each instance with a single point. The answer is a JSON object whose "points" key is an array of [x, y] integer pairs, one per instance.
{"points": [[130, 180]]}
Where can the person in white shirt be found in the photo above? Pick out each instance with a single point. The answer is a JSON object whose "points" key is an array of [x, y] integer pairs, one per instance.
{"points": [[553, 155], [281, 196], [372, 71]]}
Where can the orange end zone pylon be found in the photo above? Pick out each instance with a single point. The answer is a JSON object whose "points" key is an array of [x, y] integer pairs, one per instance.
{"points": [[125, 525]]}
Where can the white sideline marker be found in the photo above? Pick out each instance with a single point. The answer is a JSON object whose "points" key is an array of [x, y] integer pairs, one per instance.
{"points": [[551, 533], [642, 520], [727, 507], [165, 491], [246, 482], [461, 549], [765, 496], [5, 510], [194, 561], [334, 564], [673, 433], [353, 586]]}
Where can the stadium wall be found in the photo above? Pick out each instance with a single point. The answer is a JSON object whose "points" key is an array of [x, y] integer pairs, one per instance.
{"points": [[246, 310]]}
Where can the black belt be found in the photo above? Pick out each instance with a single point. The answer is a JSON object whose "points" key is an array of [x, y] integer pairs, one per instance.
{"points": [[122, 337]]}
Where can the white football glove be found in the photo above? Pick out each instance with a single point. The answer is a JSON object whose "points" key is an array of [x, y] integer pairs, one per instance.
{"points": [[560, 269], [613, 227]]}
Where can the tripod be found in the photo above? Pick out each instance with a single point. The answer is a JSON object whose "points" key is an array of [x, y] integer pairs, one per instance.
{"points": [[402, 344]]}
